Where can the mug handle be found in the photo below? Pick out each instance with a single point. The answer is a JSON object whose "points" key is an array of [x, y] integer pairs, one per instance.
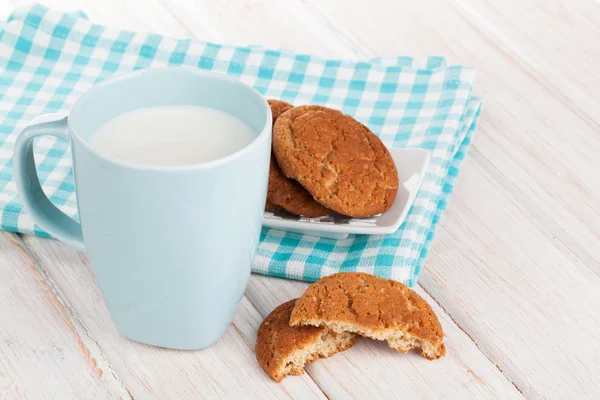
{"points": [[41, 209]]}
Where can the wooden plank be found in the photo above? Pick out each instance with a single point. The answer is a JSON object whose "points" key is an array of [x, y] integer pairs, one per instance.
{"points": [[268, 23], [372, 370], [44, 351], [530, 308], [144, 16], [556, 41], [225, 370]]}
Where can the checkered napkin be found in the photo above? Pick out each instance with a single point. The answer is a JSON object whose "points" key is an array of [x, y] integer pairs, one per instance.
{"points": [[49, 58]]}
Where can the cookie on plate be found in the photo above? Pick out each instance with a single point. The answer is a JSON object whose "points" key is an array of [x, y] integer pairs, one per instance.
{"points": [[278, 107], [286, 192], [270, 206], [343, 165], [373, 307], [291, 196], [282, 350]]}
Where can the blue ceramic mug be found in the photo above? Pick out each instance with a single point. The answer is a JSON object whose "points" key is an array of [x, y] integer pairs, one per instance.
{"points": [[171, 247]]}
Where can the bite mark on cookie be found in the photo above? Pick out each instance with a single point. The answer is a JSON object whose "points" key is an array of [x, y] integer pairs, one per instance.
{"points": [[373, 307]]}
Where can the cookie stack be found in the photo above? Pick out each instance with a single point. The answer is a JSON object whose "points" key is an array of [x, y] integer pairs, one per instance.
{"points": [[334, 310], [326, 162]]}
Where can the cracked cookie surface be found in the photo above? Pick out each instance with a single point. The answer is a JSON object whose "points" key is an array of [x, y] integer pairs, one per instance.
{"points": [[373, 307], [285, 192], [343, 165], [282, 350]]}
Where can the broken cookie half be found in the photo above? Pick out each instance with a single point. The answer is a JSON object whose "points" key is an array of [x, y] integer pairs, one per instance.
{"points": [[282, 349], [372, 307]]}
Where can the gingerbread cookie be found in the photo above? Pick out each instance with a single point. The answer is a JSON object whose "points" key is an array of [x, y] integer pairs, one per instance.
{"points": [[291, 196], [286, 192], [282, 350], [373, 307], [278, 107], [343, 165], [270, 206]]}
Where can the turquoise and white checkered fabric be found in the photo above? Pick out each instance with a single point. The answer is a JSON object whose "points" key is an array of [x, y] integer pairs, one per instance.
{"points": [[49, 58]]}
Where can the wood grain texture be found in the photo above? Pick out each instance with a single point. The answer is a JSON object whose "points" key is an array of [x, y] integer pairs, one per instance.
{"points": [[271, 23], [528, 306], [556, 41], [139, 15], [371, 369], [44, 352]]}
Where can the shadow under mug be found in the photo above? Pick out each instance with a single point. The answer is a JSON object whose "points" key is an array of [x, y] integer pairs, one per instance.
{"points": [[171, 247]]}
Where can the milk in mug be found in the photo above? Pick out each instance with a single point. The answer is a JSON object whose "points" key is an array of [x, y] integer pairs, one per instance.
{"points": [[171, 136]]}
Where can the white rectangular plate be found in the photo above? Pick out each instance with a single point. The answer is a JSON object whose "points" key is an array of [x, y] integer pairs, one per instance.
{"points": [[411, 165]]}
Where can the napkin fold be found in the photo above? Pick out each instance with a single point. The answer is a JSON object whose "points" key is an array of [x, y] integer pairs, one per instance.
{"points": [[48, 58]]}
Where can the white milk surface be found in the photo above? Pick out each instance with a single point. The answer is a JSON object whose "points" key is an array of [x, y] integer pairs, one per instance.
{"points": [[171, 136]]}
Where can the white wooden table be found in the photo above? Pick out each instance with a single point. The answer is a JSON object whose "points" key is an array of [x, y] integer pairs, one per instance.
{"points": [[513, 273]]}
